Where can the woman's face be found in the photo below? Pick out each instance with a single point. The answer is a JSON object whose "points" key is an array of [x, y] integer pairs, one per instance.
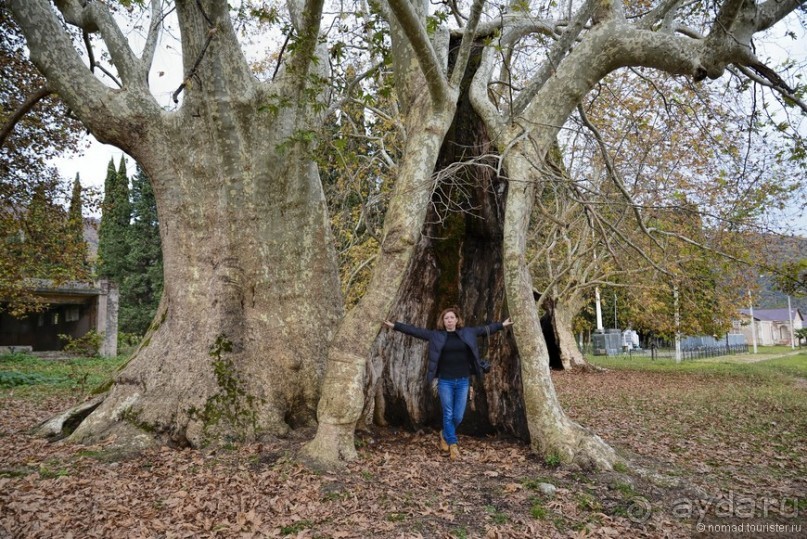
{"points": [[450, 321]]}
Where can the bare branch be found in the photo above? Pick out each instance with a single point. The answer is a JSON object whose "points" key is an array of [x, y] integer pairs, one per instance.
{"points": [[108, 73], [211, 33], [559, 49], [770, 82], [280, 55], [352, 86], [22, 110]]}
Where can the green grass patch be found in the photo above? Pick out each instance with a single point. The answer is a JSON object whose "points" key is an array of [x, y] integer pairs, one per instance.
{"points": [[538, 511], [14, 379], [795, 365], [31, 377], [496, 516], [296, 528], [15, 472], [459, 533]]}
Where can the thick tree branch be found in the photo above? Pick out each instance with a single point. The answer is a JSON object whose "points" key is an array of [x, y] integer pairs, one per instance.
{"points": [[422, 46], [22, 110], [662, 13], [307, 24], [517, 25], [467, 42], [774, 11], [95, 17], [478, 93], [53, 53], [150, 48], [726, 17]]}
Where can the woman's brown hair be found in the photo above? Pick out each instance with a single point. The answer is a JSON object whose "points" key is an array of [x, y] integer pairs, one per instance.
{"points": [[456, 311]]}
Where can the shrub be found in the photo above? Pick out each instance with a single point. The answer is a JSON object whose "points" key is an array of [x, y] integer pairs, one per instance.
{"points": [[87, 346]]}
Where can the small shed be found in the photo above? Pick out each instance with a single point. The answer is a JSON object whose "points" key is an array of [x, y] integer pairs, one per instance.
{"points": [[73, 308]]}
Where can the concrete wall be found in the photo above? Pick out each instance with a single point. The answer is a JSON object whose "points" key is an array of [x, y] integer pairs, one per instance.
{"points": [[71, 310]]}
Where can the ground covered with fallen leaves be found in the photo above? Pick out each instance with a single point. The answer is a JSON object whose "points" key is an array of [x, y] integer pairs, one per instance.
{"points": [[695, 444]]}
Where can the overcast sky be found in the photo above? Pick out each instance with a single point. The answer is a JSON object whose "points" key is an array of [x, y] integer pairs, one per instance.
{"points": [[166, 76]]}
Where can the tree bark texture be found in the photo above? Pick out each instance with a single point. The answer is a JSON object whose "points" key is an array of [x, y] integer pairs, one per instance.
{"points": [[252, 297]]}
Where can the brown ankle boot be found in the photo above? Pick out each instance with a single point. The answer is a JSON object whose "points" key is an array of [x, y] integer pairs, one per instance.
{"points": [[443, 443], [453, 452]]}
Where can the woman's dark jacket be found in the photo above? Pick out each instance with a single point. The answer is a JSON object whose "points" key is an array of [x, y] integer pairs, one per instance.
{"points": [[437, 340]]}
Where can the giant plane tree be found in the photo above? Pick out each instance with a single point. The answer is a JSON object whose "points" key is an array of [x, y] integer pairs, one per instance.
{"points": [[251, 295], [250, 337]]}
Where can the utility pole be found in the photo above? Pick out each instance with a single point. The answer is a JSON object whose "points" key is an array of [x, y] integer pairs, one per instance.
{"points": [[598, 304], [753, 325], [790, 318], [677, 325]]}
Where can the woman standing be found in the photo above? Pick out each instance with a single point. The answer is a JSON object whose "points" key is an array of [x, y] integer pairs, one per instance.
{"points": [[453, 358]]}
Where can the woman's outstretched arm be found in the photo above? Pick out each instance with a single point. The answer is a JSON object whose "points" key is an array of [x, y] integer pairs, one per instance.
{"points": [[414, 331]]}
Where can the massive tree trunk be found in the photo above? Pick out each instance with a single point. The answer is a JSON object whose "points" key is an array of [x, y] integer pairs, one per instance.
{"points": [[249, 305], [457, 262], [527, 164], [552, 433], [251, 295]]}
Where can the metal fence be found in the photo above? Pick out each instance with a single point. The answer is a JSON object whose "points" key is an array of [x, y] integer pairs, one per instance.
{"points": [[700, 352]]}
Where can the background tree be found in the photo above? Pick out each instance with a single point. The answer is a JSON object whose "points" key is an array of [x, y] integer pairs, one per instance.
{"points": [[75, 226], [791, 278], [142, 284], [34, 127]]}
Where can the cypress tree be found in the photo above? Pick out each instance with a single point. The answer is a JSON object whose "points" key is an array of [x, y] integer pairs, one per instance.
{"points": [[75, 231], [106, 228], [115, 217], [142, 285]]}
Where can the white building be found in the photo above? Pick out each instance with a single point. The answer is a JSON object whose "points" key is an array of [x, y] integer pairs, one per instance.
{"points": [[772, 325]]}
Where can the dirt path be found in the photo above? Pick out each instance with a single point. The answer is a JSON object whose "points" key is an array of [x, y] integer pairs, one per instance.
{"points": [[749, 358]]}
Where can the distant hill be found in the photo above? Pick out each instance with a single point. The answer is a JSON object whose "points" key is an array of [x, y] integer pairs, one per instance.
{"points": [[777, 250]]}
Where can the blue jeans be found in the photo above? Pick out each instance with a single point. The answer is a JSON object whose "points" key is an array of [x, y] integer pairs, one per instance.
{"points": [[453, 398]]}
